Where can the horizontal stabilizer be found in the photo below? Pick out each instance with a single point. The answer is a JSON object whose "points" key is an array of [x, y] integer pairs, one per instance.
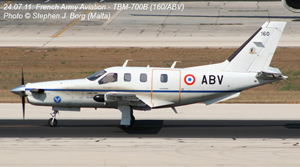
{"points": [[222, 98], [271, 73]]}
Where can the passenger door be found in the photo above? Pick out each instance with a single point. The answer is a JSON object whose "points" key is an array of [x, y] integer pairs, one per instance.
{"points": [[165, 86]]}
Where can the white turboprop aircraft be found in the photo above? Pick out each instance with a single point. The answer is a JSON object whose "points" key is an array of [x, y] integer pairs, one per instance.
{"points": [[146, 88]]}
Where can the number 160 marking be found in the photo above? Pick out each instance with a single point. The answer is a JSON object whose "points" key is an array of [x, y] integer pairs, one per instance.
{"points": [[265, 33]]}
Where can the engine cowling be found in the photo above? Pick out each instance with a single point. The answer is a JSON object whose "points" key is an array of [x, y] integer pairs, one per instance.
{"points": [[292, 5]]}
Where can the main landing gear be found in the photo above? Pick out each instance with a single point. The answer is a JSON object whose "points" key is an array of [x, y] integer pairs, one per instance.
{"points": [[132, 120], [127, 119], [52, 122]]}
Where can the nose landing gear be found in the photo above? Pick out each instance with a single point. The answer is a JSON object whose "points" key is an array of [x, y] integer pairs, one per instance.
{"points": [[52, 122]]}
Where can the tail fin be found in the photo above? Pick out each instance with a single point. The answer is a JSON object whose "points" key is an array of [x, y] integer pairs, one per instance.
{"points": [[256, 53]]}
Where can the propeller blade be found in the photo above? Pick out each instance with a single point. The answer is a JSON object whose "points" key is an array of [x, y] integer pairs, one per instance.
{"points": [[22, 76], [23, 106], [23, 97]]}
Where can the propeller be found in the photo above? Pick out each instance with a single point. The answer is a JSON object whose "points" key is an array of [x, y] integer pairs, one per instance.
{"points": [[23, 95], [23, 106], [20, 90], [22, 76]]}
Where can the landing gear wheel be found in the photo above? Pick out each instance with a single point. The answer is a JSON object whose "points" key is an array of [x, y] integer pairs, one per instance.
{"points": [[52, 122], [126, 126], [132, 120]]}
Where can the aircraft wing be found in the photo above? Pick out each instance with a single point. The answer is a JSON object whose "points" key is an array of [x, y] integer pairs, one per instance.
{"points": [[155, 102], [129, 98], [135, 100], [120, 96]]}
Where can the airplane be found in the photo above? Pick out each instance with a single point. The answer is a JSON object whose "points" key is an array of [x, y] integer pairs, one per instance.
{"points": [[145, 88]]}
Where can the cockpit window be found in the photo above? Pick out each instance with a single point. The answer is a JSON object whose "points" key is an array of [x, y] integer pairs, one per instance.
{"points": [[96, 75], [111, 77]]}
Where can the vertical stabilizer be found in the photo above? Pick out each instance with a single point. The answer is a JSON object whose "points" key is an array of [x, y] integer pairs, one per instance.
{"points": [[257, 52]]}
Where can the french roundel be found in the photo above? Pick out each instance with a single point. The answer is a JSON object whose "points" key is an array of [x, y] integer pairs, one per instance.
{"points": [[189, 79]]}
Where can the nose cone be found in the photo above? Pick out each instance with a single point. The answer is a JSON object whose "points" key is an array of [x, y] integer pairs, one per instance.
{"points": [[20, 90]]}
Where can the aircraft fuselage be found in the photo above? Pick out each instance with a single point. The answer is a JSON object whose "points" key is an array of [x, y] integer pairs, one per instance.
{"points": [[156, 86]]}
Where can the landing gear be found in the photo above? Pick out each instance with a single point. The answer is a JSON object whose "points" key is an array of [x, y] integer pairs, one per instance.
{"points": [[132, 120], [52, 122], [127, 119]]}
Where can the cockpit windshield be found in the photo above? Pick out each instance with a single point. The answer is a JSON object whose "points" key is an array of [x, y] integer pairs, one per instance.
{"points": [[111, 77], [96, 75]]}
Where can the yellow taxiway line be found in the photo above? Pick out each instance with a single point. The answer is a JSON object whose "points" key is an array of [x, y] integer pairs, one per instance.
{"points": [[71, 24], [5, 3]]}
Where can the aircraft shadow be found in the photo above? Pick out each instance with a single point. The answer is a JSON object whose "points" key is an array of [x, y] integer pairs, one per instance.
{"points": [[153, 128]]}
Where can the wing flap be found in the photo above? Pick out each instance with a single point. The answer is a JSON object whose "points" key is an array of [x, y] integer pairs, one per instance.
{"points": [[154, 102]]}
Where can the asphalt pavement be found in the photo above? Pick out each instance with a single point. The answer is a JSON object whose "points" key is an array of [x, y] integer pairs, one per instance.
{"points": [[152, 129]]}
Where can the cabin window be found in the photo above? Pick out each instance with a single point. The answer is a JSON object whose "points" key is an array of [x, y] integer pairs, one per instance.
{"points": [[127, 77], [96, 75], [163, 78], [109, 78], [143, 77]]}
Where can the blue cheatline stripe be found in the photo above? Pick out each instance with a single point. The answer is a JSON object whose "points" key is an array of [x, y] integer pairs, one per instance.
{"points": [[143, 91]]}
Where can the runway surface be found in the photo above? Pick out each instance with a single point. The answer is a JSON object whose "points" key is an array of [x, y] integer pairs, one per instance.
{"points": [[152, 129], [218, 135], [199, 135], [190, 24], [146, 152], [192, 121]]}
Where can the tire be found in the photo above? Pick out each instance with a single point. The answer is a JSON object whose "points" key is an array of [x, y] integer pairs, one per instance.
{"points": [[132, 120], [125, 127], [52, 123]]}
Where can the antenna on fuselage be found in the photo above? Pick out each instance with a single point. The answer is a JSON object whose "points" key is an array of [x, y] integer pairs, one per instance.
{"points": [[125, 63], [173, 108], [174, 64]]}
